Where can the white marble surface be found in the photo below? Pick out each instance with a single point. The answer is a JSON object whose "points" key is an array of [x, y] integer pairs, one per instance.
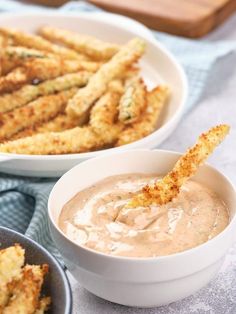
{"points": [[217, 104]]}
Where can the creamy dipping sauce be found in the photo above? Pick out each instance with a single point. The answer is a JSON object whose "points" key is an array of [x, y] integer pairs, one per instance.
{"points": [[194, 217]]}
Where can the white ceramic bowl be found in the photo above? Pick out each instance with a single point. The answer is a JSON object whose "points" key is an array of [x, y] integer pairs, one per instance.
{"points": [[142, 282], [158, 65]]}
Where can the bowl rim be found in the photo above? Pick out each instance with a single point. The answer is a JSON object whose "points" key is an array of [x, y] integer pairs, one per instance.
{"points": [[141, 259], [151, 41], [66, 283]]}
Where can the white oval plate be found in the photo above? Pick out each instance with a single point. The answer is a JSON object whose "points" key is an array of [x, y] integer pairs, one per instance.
{"points": [[158, 65]]}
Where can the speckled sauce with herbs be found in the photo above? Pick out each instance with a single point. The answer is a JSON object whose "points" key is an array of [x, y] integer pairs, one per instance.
{"points": [[194, 217]]}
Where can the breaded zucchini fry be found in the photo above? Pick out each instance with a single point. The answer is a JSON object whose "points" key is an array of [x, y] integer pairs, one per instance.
{"points": [[40, 110], [64, 122], [156, 99], [13, 80], [77, 140], [27, 291], [101, 132], [43, 305], [30, 92], [11, 261], [103, 116], [133, 101], [98, 83], [116, 86], [60, 123], [36, 42], [15, 56], [2, 47], [91, 46], [41, 70], [23, 53], [164, 190]]}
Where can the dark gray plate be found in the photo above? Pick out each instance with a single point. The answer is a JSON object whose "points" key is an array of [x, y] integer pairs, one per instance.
{"points": [[56, 284]]}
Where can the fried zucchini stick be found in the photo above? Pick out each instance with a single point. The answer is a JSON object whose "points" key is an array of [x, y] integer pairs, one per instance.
{"points": [[11, 261], [76, 140], [40, 110], [133, 101], [2, 47], [36, 42], [101, 132], [13, 80], [64, 122], [30, 92], [156, 99], [103, 116], [98, 83], [164, 190], [60, 123], [26, 291], [88, 45], [41, 70], [15, 56], [43, 305]]}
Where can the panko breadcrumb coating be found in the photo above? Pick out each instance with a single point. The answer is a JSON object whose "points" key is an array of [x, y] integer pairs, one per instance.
{"points": [[156, 99], [60, 123], [98, 83], [26, 292], [76, 140], [16, 56], [28, 93], [37, 42], [88, 45], [63, 121], [43, 69], [103, 116], [34, 112], [164, 190], [102, 131], [110, 107], [11, 261], [133, 101], [20, 286], [43, 305]]}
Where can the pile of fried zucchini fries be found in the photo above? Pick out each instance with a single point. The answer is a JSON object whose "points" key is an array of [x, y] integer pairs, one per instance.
{"points": [[62, 92], [20, 286]]}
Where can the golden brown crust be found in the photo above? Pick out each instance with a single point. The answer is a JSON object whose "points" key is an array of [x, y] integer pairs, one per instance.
{"points": [[76, 140], [16, 56], [133, 101], [20, 286], [166, 189], [28, 93], [156, 99], [88, 45], [42, 69], [44, 304], [102, 131], [11, 261], [37, 42], [98, 83], [104, 115], [26, 292], [60, 123], [35, 112]]}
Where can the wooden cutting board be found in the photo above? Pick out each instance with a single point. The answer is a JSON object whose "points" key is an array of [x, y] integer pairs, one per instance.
{"points": [[190, 18]]}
